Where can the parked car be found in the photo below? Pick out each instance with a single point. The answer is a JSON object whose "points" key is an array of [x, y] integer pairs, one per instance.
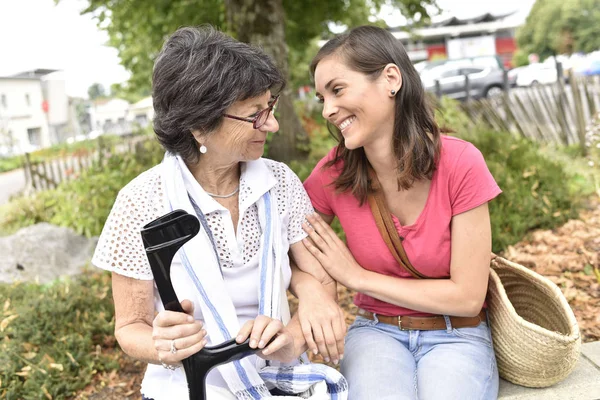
{"points": [[589, 67], [482, 61], [513, 74], [538, 73], [423, 66], [484, 81]]}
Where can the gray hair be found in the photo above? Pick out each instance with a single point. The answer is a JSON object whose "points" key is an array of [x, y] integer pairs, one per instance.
{"points": [[198, 74]]}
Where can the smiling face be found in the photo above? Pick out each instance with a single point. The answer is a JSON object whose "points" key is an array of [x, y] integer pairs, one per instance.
{"points": [[235, 141], [360, 106]]}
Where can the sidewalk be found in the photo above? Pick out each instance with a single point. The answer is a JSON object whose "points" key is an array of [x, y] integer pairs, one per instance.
{"points": [[582, 384]]}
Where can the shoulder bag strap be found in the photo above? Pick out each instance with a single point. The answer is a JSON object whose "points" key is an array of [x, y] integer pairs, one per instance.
{"points": [[386, 227]]}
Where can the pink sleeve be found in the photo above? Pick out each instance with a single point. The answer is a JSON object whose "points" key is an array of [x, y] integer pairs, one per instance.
{"points": [[471, 183], [318, 188]]}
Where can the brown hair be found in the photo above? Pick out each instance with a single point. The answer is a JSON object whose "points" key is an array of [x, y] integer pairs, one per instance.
{"points": [[416, 137]]}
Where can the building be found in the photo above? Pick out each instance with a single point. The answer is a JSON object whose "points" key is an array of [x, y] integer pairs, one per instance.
{"points": [[451, 37], [34, 111], [110, 116], [118, 117], [142, 112]]}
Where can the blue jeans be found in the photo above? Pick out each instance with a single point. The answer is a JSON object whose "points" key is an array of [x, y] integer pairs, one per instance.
{"points": [[381, 362]]}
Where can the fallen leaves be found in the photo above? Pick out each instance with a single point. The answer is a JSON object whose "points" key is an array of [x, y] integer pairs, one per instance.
{"points": [[120, 384], [6, 321], [569, 257]]}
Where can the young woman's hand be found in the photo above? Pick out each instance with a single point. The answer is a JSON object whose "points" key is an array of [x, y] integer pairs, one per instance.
{"points": [[332, 253], [323, 322], [261, 330], [177, 335]]}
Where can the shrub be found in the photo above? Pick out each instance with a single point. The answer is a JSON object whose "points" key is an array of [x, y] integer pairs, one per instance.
{"points": [[86, 202], [55, 337], [61, 150], [536, 190], [10, 163], [82, 204], [539, 189], [592, 142], [26, 211]]}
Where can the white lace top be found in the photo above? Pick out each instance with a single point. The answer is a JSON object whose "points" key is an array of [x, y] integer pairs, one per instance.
{"points": [[120, 248]]}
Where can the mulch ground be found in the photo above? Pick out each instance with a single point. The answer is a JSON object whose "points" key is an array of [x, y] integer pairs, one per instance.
{"points": [[568, 255]]}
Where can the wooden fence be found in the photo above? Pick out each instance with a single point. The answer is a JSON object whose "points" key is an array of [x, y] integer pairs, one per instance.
{"points": [[49, 173], [556, 113]]}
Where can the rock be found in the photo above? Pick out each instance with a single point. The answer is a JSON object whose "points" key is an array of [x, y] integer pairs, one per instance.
{"points": [[43, 253]]}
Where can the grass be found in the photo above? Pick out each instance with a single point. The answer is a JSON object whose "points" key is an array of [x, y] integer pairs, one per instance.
{"points": [[54, 338]]}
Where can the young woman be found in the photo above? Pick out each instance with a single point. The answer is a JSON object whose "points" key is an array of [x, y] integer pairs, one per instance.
{"points": [[412, 338]]}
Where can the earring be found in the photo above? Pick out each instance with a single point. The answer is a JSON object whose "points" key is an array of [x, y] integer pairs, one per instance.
{"points": [[202, 149], [393, 92]]}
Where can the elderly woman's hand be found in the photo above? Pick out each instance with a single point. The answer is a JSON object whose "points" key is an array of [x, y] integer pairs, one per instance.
{"points": [[261, 330], [177, 335]]}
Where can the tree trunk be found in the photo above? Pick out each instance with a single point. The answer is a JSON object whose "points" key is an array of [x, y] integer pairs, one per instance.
{"points": [[261, 22]]}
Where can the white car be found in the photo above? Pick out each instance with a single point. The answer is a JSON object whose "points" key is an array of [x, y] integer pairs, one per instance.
{"points": [[534, 74]]}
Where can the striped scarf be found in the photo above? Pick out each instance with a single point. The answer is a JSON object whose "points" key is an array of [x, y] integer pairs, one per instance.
{"points": [[245, 379]]}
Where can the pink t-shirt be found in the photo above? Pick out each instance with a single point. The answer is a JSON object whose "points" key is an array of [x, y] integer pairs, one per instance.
{"points": [[460, 183]]}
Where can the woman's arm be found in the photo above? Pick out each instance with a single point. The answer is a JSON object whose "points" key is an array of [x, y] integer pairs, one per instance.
{"points": [[300, 256], [147, 337], [462, 294]]}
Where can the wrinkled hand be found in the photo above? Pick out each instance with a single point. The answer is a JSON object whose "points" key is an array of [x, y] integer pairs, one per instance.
{"points": [[323, 323], [331, 252], [180, 329], [261, 330]]}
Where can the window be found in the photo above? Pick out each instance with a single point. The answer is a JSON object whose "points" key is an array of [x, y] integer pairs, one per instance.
{"points": [[141, 119], [469, 71], [450, 73], [35, 136], [3, 101], [27, 100]]}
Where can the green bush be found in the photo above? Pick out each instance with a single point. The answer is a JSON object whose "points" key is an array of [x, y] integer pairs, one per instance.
{"points": [[86, 202], [10, 163], [82, 204], [592, 142], [449, 114], [55, 337], [321, 141], [26, 211], [64, 149], [536, 190]]}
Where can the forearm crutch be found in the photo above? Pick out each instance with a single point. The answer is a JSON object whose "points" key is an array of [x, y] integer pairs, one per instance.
{"points": [[162, 238]]}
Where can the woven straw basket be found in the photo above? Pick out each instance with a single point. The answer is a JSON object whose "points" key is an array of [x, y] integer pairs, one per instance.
{"points": [[536, 337]]}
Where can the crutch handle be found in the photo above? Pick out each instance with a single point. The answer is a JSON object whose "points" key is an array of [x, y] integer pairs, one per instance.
{"points": [[162, 238]]}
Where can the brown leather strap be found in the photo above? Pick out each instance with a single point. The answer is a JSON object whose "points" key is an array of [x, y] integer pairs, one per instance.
{"points": [[386, 226], [433, 323]]}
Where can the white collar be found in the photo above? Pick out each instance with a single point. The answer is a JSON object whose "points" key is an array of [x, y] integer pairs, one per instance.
{"points": [[256, 179]]}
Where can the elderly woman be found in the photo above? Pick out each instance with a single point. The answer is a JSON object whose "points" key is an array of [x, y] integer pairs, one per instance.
{"points": [[214, 99]]}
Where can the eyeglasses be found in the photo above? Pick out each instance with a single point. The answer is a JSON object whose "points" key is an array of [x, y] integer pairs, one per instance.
{"points": [[260, 118]]}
